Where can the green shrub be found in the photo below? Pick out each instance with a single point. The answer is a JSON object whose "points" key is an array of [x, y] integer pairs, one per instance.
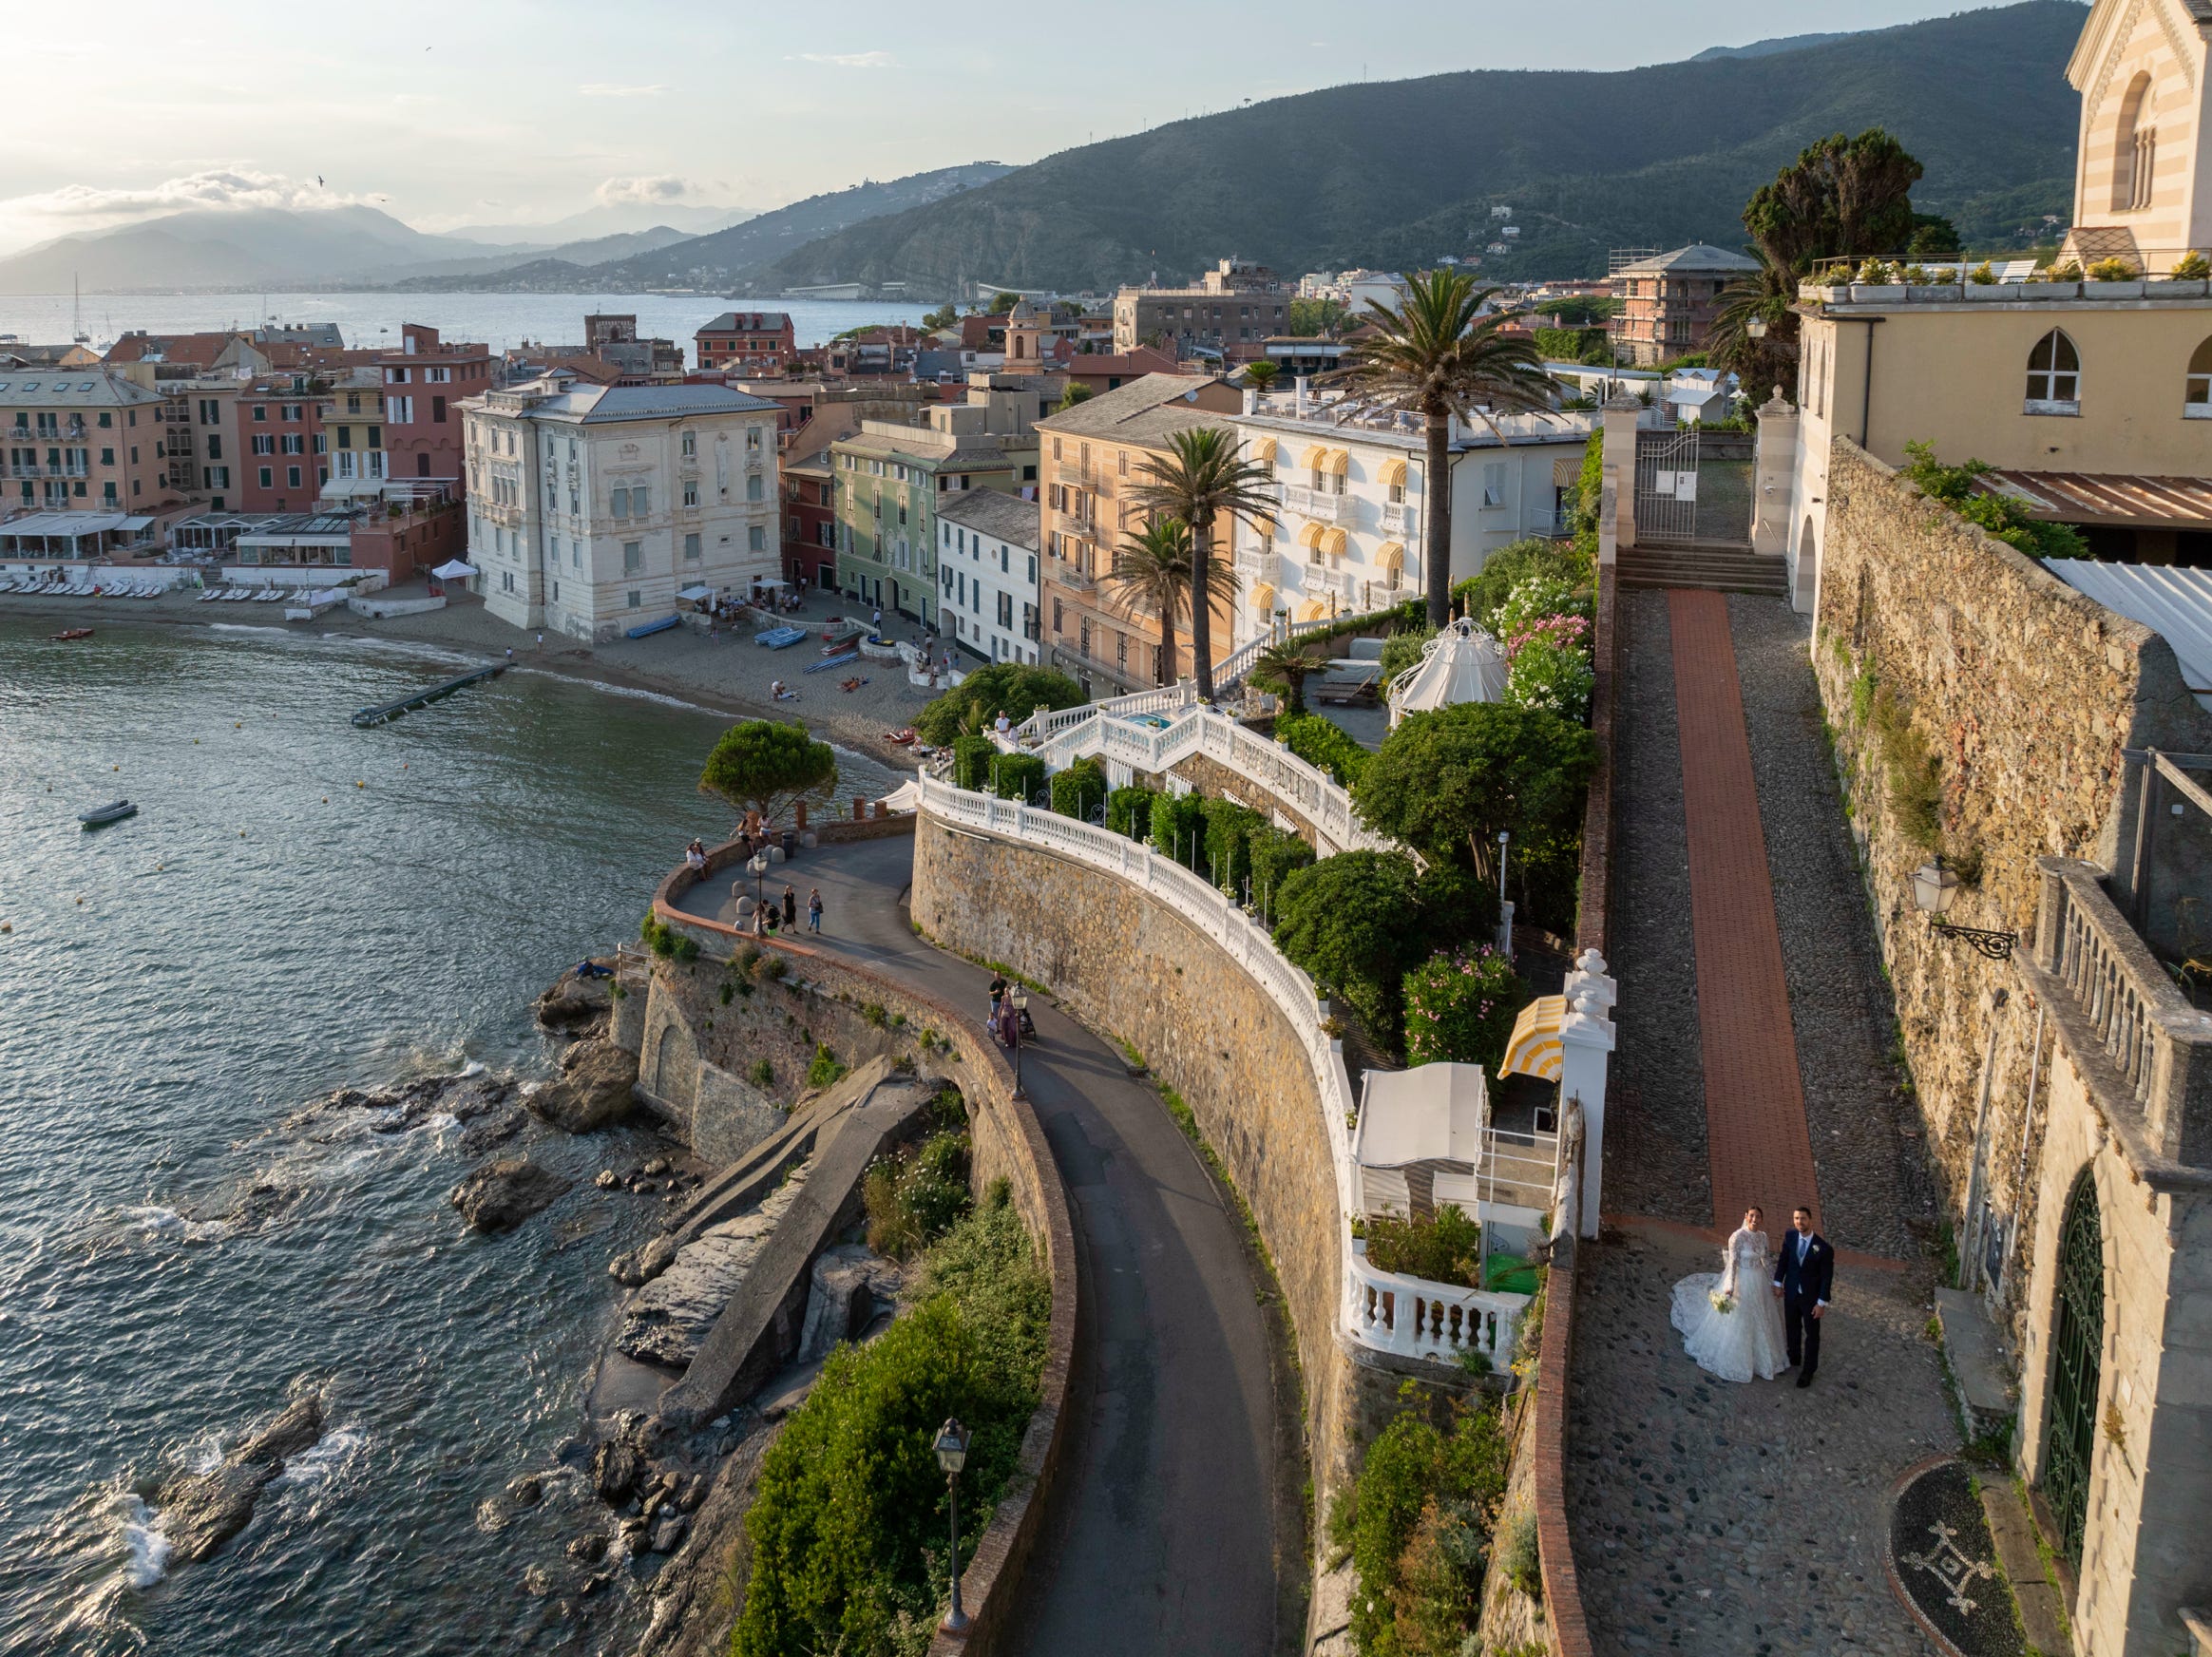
{"points": [[1534, 599], [827, 1071], [2002, 516], [1479, 595], [1343, 921], [686, 948], [971, 762], [1323, 744], [1017, 776], [974, 704], [1552, 676], [658, 938], [873, 1011], [849, 1526], [1228, 830], [1445, 783], [1275, 854], [1080, 789], [911, 1201], [1414, 1524], [762, 1074], [1445, 1247], [1129, 810], [1178, 826], [1402, 650], [2191, 267], [1519, 1557], [1460, 1007]]}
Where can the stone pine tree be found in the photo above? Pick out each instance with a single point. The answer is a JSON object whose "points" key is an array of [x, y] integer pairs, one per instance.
{"points": [[768, 766], [1436, 355], [1202, 481]]}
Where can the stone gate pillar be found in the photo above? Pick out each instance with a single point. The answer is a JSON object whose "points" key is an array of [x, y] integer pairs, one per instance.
{"points": [[1771, 475], [1586, 1044]]}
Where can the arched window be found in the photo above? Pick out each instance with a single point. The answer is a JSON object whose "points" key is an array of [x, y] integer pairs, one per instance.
{"points": [[2077, 1356], [2197, 399], [2135, 150], [2054, 375]]}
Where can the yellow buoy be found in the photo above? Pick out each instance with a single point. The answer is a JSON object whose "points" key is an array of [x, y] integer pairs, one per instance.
{"points": [[241, 833], [80, 902], [7, 925], [238, 724], [115, 768], [360, 785]]}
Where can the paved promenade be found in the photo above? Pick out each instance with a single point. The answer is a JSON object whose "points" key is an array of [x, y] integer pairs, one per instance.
{"points": [[1183, 1481], [1753, 1067]]}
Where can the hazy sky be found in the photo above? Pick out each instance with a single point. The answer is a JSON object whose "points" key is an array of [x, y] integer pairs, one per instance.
{"points": [[474, 111]]}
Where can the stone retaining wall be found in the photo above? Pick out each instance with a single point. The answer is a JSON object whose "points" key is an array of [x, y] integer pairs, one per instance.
{"points": [[826, 995]]}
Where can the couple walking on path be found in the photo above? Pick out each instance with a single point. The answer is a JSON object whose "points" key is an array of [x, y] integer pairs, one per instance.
{"points": [[1759, 1314]]}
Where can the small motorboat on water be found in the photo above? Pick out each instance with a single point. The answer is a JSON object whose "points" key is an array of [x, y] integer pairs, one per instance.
{"points": [[68, 633], [100, 816]]}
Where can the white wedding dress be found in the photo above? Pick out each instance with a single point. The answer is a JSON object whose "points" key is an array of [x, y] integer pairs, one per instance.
{"points": [[1747, 1341]]}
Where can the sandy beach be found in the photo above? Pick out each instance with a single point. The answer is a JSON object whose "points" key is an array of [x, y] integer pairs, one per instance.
{"points": [[728, 673]]}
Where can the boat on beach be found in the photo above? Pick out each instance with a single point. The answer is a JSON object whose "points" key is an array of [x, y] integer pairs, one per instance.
{"points": [[100, 816]]}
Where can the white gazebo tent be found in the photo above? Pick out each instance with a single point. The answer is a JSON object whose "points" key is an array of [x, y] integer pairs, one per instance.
{"points": [[1426, 1122], [1461, 664], [454, 570]]}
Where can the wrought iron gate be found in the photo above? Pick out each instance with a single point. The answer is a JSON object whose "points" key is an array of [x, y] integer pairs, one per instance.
{"points": [[1667, 486], [2077, 1352]]}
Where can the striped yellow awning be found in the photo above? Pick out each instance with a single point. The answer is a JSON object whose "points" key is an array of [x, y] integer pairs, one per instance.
{"points": [[1312, 610], [1264, 450], [1264, 527], [1392, 474], [1336, 462], [1390, 556], [1310, 534], [1332, 543], [1533, 1048], [1264, 599], [1316, 458], [1566, 472]]}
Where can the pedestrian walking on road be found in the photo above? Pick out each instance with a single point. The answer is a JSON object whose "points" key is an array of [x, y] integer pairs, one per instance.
{"points": [[790, 907], [814, 909], [541, 641]]}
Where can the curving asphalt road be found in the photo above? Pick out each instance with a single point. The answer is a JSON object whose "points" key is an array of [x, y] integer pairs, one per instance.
{"points": [[1182, 1491]]}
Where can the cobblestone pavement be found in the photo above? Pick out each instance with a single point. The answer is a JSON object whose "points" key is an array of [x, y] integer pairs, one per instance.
{"points": [[1742, 1521], [1655, 1160], [1874, 1187]]}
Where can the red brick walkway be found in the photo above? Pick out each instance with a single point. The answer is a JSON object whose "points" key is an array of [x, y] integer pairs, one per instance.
{"points": [[1755, 1108]]}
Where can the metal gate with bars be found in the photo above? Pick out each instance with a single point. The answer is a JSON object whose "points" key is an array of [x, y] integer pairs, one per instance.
{"points": [[2077, 1355], [1667, 486], [1693, 487]]}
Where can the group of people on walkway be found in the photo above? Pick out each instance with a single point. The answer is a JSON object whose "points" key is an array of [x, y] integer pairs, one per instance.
{"points": [[770, 916]]}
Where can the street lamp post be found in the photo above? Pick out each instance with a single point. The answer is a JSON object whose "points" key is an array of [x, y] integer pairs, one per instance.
{"points": [[952, 1448], [1019, 997]]}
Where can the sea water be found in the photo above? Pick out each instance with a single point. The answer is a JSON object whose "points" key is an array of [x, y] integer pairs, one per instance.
{"points": [[300, 907]]}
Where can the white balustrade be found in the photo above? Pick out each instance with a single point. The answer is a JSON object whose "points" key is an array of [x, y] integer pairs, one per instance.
{"points": [[1415, 1318]]}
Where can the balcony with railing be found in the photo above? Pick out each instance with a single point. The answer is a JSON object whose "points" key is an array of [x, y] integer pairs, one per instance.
{"points": [[2143, 1050], [1401, 517], [1069, 573], [1321, 505]]}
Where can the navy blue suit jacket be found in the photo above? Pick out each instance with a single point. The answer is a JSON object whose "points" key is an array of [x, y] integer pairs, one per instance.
{"points": [[1809, 1277]]}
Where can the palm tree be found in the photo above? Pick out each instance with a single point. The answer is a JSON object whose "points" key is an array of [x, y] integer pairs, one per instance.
{"points": [[1152, 570], [1763, 296], [1437, 355], [1203, 481], [1283, 668], [1261, 375]]}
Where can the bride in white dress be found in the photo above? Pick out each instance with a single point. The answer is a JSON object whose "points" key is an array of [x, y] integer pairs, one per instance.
{"points": [[1746, 1340]]}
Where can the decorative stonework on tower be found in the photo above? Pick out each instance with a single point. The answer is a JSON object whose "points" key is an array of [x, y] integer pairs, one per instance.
{"points": [[2141, 69]]}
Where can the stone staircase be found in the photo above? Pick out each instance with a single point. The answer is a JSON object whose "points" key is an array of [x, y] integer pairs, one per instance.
{"points": [[1715, 566]]}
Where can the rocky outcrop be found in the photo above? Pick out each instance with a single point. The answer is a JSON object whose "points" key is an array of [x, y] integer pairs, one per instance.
{"points": [[667, 1318], [467, 1098], [501, 1195], [573, 1004], [593, 1091], [849, 1286], [203, 1512], [641, 1265]]}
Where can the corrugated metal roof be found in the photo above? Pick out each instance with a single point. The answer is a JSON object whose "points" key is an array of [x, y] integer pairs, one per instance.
{"points": [[2106, 497], [2175, 603], [1698, 256]]}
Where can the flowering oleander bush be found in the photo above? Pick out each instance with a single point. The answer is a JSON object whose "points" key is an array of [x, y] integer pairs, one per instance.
{"points": [[1568, 632], [1460, 1005], [1552, 674], [1534, 599]]}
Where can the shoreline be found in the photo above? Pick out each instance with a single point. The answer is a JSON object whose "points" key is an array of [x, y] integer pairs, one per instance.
{"points": [[464, 628]]}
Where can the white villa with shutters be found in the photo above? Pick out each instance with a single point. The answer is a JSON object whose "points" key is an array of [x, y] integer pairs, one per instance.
{"points": [[1350, 477]]}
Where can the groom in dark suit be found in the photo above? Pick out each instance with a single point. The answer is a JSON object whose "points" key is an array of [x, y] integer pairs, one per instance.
{"points": [[1805, 1268]]}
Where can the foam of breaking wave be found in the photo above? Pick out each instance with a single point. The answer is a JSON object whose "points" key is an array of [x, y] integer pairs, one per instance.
{"points": [[145, 1546], [322, 1460], [168, 1226]]}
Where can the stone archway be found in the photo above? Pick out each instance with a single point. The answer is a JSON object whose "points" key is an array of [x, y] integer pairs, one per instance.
{"points": [[2077, 1352], [1808, 563], [676, 1065]]}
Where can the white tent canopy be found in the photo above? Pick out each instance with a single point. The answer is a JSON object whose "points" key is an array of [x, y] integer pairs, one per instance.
{"points": [[454, 570], [1431, 1113], [1461, 664], [695, 595]]}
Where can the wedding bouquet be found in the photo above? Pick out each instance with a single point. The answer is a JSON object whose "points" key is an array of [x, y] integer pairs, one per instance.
{"points": [[1724, 1303]]}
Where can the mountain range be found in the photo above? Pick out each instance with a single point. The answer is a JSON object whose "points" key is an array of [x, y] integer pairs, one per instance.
{"points": [[1399, 173]]}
